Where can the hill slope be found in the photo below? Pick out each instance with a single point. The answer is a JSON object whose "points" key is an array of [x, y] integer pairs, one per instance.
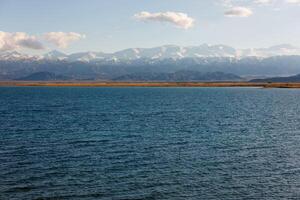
{"points": [[289, 79], [179, 76], [44, 76]]}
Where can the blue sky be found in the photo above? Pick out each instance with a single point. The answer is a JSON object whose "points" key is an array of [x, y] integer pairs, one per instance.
{"points": [[112, 25]]}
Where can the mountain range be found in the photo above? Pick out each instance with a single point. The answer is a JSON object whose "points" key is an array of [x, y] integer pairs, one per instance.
{"points": [[289, 79], [152, 63], [179, 76], [44, 76], [162, 52]]}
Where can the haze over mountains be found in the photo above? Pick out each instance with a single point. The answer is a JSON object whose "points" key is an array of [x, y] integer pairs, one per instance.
{"points": [[151, 63]]}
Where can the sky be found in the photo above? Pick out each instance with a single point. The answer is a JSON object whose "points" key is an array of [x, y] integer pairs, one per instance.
{"points": [[36, 26]]}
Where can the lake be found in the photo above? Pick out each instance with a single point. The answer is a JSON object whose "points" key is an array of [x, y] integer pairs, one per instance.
{"points": [[149, 143]]}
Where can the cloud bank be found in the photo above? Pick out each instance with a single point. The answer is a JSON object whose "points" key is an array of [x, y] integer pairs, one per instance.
{"points": [[18, 40], [180, 20], [238, 12], [10, 41], [62, 39]]}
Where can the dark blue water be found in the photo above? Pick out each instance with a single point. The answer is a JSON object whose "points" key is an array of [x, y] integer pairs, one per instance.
{"points": [[149, 143]]}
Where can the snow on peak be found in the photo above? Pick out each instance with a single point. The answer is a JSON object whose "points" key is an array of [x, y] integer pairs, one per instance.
{"points": [[162, 52]]}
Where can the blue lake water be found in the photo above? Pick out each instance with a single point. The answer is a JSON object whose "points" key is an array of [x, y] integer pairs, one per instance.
{"points": [[149, 143]]}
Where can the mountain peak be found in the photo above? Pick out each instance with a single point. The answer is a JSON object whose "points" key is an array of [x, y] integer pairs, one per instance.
{"points": [[13, 55], [55, 55], [55, 52]]}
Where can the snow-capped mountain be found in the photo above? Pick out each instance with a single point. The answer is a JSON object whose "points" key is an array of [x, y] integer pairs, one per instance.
{"points": [[55, 55], [87, 56], [278, 50], [14, 55], [14, 66], [162, 52], [178, 52]]}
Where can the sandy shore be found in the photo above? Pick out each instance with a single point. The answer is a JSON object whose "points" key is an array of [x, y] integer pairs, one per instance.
{"points": [[149, 84]]}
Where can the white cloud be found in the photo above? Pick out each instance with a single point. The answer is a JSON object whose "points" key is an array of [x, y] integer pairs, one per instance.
{"points": [[63, 39], [238, 12], [180, 20], [10, 41], [31, 43], [18, 40]]}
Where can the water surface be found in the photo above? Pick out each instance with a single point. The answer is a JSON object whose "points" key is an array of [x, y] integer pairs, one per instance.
{"points": [[149, 143]]}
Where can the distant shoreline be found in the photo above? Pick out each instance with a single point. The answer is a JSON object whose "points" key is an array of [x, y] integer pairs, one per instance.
{"points": [[145, 84]]}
